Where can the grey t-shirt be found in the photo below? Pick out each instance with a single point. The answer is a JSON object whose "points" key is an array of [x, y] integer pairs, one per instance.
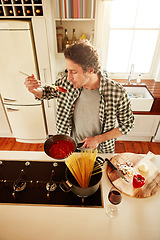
{"points": [[86, 121]]}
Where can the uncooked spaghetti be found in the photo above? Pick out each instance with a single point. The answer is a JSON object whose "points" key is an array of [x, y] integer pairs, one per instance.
{"points": [[81, 166]]}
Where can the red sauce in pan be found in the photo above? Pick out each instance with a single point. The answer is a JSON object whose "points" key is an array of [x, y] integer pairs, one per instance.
{"points": [[61, 149]]}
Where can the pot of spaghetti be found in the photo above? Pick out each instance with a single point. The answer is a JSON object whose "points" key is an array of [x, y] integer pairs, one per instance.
{"points": [[82, 177], [60, 146]]}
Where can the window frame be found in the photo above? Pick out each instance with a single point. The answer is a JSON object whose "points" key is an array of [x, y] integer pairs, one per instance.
{"points": [[102, 42]]}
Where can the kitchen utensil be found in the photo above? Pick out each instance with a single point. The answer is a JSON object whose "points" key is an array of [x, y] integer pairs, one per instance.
{"points": [[113, 167], [71, 184], [53, 86], [116, 170], [51, 185], [152, 176], [60, 146], [20, 184]]}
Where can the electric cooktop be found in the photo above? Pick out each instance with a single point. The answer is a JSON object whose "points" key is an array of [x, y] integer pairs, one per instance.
{"points": [[37, 182]]}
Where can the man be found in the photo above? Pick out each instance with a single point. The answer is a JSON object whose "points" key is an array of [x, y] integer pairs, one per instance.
{"points": [[93, 104]]}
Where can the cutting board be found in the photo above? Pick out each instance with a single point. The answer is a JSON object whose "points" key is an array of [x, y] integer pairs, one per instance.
{"points": [[152, 176]]}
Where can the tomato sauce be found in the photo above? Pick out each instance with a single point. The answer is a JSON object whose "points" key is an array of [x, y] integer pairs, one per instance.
{"points": [[61, 149], [61, 89]]}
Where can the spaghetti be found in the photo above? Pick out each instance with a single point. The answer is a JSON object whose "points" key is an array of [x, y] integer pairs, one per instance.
{"points": [[81, 166]]}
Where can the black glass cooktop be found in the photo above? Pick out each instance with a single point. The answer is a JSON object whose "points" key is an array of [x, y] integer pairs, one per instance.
{"points": [[25, 182]]}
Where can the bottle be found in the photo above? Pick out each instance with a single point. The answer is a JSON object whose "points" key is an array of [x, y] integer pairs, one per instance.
{"points": [[27, 1], [1, 11], [38, 11], [28, 11], [7, 1], [65, 40], [74, 37], [59, 31], [17, 1], [10, 12], [19, 11], [59, 42], [91, 40], [37, 1]]}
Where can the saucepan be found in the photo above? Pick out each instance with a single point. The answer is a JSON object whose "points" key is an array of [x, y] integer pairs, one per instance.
{"points": [[60, 146], [71, 184]]}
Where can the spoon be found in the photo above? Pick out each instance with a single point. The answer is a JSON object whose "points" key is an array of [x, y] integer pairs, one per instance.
{"points": [[54, 86]]}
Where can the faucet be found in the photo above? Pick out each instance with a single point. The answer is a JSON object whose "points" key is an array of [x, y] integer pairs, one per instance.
{"points": [[130, 74]]}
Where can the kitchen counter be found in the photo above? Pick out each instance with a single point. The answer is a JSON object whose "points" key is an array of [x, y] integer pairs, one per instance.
{"points": [[137, 218]]}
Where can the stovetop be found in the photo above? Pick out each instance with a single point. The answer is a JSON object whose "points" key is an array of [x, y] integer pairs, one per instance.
{"points": [[32, 182]]}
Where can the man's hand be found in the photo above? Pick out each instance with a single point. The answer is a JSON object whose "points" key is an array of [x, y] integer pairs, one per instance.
{"points": [[33, 86], [90, 142]]}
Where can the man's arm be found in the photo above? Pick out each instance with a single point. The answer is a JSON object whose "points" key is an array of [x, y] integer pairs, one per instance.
{"points": [[93, 142]]}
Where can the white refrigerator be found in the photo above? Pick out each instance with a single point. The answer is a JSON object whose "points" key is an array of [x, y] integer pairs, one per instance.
{"points": [[25, 114]]}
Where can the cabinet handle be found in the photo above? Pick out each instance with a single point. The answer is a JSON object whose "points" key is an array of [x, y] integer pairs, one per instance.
{"points": [[12, 109], [44, 75], [10, 99]]}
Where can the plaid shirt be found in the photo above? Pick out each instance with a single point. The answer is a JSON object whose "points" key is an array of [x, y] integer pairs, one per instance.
{"points": [[114, 107]]}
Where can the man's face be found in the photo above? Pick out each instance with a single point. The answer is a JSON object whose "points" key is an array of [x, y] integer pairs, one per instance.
{"points": [[76, 74]]}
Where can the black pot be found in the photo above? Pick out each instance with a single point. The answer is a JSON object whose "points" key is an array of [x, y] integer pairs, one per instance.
{"points": [[54, 140], [71, 184]]}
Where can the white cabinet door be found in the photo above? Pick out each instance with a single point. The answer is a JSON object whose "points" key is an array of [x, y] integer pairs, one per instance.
{"points": [[144, 128], [27, 121], [45, 61]]}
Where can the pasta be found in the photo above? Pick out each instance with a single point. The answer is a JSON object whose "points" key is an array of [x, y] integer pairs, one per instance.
{"points": [[81, 166]]}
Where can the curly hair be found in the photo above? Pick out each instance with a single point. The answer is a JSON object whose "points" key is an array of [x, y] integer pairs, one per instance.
{"points": [[83, 54]]}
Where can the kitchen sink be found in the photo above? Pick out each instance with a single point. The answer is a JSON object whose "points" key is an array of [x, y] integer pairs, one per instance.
{"points": [[140, 96]]}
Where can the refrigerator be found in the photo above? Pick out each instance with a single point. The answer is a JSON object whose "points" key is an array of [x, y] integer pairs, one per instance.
{"points": [[25, 114]]}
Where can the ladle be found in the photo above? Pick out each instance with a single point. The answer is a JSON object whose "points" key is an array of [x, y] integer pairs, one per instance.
{"points": [[19, 185], [51, 186]]}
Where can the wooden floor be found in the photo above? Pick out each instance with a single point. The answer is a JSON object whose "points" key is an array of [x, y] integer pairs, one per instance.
{"points": [[121, 146]]}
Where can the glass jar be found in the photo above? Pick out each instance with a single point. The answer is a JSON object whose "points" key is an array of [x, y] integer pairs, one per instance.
{"points": [[60, 42]]}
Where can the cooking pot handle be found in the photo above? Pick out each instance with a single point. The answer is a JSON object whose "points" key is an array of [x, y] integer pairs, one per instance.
{"points": [[100, 160], [65, 186], [79, 145]]}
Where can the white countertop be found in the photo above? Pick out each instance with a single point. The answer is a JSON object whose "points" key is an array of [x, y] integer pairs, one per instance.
{"points": [[137, 219]]}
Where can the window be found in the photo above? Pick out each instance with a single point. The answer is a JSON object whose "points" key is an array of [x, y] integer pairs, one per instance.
{"points": [[132, 37]]}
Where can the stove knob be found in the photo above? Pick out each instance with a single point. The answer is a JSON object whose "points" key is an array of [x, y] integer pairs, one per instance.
{"points": [[31, 182], [55, 164], [14, 195], [27, 164], [37, 183], [48, 197]]}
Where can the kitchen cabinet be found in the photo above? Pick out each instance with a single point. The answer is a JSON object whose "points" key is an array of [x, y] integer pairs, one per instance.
{"points": [[144, 128], [46, 64], [79, 17]]}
